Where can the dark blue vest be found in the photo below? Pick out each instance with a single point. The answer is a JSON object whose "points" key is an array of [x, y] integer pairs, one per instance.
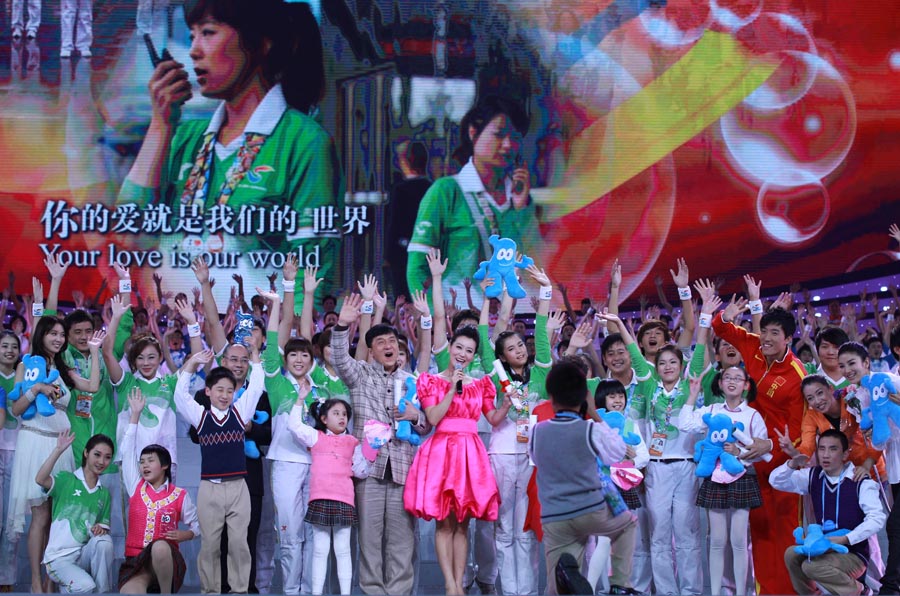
{"points": [[222, 446], [847, 508]]}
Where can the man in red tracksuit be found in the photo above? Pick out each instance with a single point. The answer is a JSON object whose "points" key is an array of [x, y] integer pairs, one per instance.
{"points": [[777, 372]]}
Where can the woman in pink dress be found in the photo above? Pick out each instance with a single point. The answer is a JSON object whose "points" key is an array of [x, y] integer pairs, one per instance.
{"points": [[450, 479]]}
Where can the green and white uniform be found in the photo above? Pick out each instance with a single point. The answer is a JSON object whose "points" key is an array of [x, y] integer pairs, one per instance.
{"points": [[297, 167], [813, 369], [76, 559], [93, 413], [157, 421], [458, 216]]}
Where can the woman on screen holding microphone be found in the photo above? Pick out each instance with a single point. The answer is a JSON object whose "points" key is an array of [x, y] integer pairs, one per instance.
{"points": [[489, 195], [263, 61]]}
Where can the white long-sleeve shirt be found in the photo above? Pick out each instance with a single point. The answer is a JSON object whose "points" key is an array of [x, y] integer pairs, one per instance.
{"points": [[131, 475], [797, 481], [691, 421], [308, 436], [192, 412]]}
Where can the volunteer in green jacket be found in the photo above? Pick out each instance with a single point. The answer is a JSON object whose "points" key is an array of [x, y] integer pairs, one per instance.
{"points": [[488, 196], [259, 150]]}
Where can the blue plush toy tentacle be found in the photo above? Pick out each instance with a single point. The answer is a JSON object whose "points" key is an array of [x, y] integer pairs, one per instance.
{"points": [[731, 464], [260, 417], [250, 449]]}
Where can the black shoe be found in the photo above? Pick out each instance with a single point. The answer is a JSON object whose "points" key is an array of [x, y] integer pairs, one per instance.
{"points": [[622, 590], [569, 579], [486, 588]]}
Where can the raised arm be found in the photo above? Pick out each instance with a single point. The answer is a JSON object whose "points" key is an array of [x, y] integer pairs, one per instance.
{"points": [[92, 383], [348, 368], [423, 358], [506, 304], [44, 476], [288, 281], [131, 455], [215, 332], [661, 293], [753, 292], [615, 280], [57, 271], [310, 283], [186, 311], [437, 267], [367, 289], [109, 358], [682, 282], [564, 292], [185, 405]]}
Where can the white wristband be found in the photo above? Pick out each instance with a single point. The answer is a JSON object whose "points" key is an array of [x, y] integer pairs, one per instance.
{"points": [[30, 396], [427, 322], [756, 307], [125, 286], [194, 330], [684, 293], [546, 292], [368, 307], [288, 285], [705, 320], [37, 309]]}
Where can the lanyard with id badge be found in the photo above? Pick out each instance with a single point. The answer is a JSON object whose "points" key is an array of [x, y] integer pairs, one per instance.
{"points": [[83, 401], [659, 437]]}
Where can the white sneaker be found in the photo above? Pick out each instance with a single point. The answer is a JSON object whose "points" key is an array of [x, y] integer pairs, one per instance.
{"points": [[65, 53], [17, 33], [85, 53], [31, 34]]}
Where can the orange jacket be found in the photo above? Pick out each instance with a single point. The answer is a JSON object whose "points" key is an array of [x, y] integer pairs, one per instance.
{"points": [[815, 423], [778, 396]]}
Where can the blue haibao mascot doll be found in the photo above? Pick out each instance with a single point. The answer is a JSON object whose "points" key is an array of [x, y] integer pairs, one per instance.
{"points": [[710, 450], [881, 408], [816, 542], [404, 427], [616, 421], [502, 267], [35, 372]]}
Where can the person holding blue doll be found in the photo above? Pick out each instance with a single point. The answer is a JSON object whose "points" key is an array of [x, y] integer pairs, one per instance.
{"points": [[337, 458], [851, 504], [36, 438], [727, 495]]}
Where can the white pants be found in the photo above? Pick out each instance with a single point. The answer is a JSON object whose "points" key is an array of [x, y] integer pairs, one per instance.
{"points": [[265, 539], [8, 542], [641, 570], [80, 29], [517, 550], [84, 571], [674, 518], [321, 550], [34, 15], [290, 493]]}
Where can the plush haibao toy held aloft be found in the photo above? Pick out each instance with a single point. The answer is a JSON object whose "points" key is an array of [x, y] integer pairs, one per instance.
{"points": [[881, 409], [35, 372], [710, 450], [244, 328], [502, 267], [816, 542]]}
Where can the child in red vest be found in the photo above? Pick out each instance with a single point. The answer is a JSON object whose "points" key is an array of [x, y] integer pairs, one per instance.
{"points": [[337, 457], [155, 508]]}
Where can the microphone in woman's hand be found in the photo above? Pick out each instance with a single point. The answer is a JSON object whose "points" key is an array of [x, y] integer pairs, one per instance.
{"points": [[458, 366]]}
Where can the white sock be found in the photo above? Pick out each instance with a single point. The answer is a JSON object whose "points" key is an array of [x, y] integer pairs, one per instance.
{"points": [[342, 554], [321, 547], [718, 539], [740, 519]]}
